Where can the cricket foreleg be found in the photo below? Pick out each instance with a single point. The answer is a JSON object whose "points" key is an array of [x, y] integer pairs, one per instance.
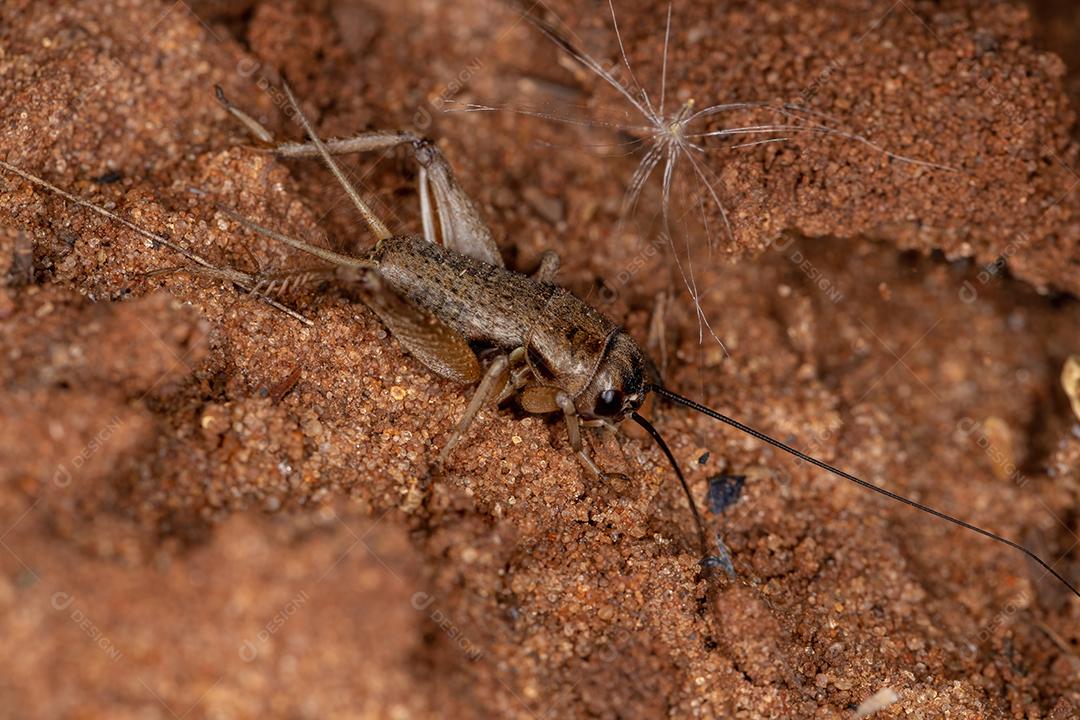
{"points": [[573, 431], [489, 388], [544, 399]]}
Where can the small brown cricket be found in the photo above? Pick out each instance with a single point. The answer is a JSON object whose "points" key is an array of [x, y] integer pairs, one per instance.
{"points": [[557, 353], [553, 351]]}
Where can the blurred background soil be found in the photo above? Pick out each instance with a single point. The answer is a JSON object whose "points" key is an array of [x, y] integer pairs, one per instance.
{"points": [[210, 510]]}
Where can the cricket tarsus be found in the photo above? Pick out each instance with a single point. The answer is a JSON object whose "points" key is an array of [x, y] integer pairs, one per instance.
{"points": [[686, 402], [253, 126]]}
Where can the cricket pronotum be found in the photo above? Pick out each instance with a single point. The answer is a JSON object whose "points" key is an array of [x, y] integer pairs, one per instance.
{"points": [[553, 352]]}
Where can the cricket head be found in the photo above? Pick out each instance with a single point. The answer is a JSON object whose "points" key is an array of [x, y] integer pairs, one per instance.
{"points": [[618, 387]]}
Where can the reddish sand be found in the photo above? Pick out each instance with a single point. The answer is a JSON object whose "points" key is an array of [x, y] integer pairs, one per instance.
{"points": [[209, 510]]}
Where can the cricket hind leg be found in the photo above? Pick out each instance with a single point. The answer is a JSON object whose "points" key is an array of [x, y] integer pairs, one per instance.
{"points": [[374, 223], [463, 228], [430, 341], [239, 278], [442, 198]]}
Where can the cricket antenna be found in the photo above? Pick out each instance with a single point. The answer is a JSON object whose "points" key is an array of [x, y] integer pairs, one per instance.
{"points": [[378, 229], [706, 558], [675, 397]]}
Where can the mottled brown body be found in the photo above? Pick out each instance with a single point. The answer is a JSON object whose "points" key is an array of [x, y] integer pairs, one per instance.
{"points": [[483, 302], [446, 293], [566, 340]]}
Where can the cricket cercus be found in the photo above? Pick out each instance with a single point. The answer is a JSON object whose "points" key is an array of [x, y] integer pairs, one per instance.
{"points": [[554, 352]]}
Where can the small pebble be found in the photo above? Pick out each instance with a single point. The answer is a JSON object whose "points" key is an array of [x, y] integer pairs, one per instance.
{"points": [[724, 491]]}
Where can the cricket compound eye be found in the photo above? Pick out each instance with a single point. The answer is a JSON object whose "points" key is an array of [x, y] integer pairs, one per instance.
{"points": [[609, 403]]}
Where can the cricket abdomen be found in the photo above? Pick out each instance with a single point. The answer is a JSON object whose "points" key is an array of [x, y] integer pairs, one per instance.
{"points": [[499, 307], [482, 302]]}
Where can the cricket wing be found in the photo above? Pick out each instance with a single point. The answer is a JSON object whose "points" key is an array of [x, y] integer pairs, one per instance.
{"points": [[441, 350]]}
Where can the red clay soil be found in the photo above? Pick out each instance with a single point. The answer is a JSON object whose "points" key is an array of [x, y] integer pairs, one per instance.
{"points": [[210, 510]]}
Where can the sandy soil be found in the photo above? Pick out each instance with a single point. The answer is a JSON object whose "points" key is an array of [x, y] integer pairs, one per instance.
{"points": [[209, 510]]}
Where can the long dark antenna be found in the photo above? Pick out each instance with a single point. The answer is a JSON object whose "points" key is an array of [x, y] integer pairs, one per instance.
{"points": [[682, 480], [675, 397]]}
